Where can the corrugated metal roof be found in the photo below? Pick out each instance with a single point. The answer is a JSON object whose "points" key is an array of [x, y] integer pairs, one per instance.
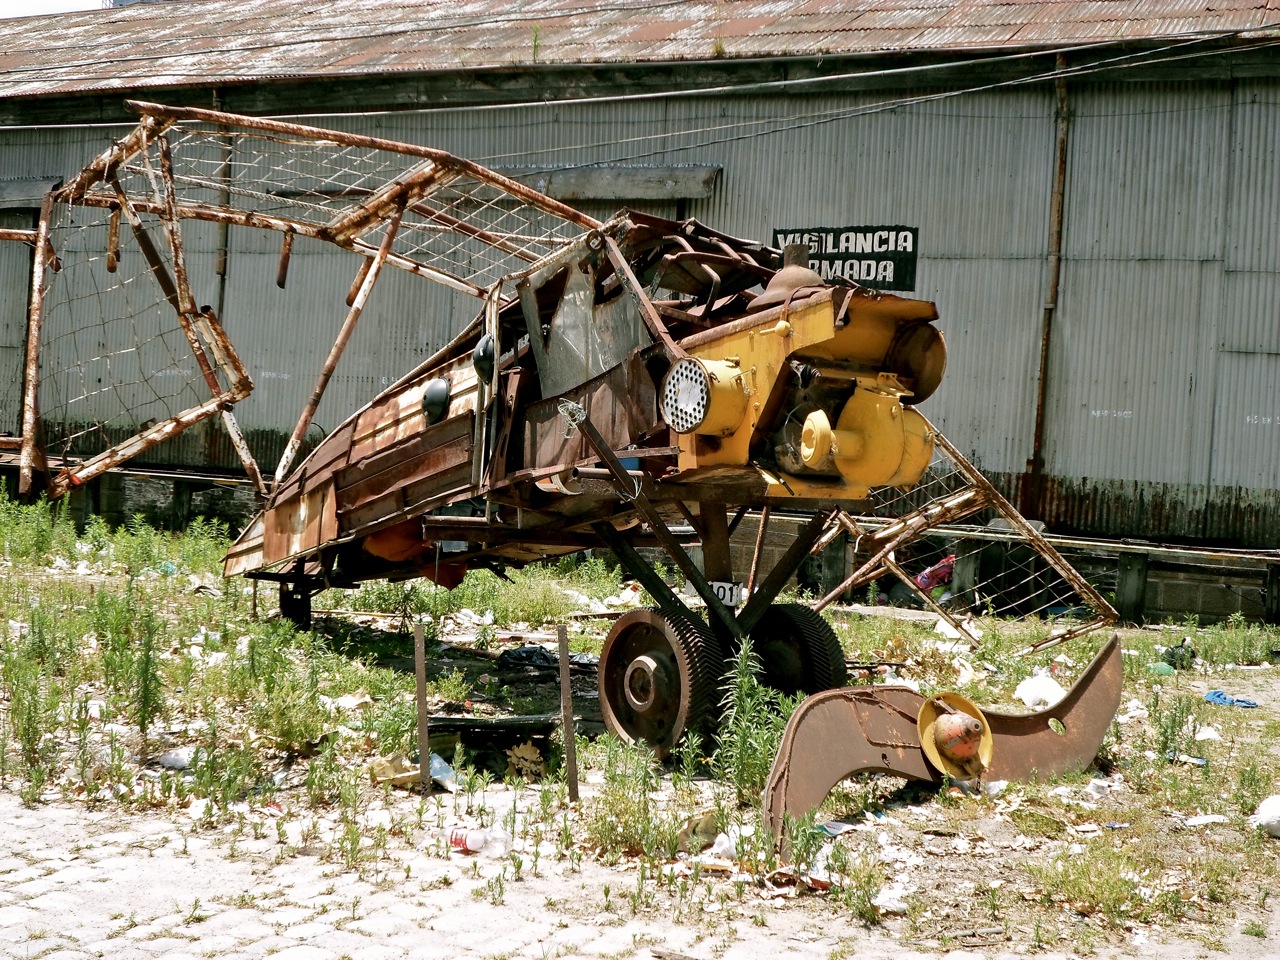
{"points": [[227, 41]]}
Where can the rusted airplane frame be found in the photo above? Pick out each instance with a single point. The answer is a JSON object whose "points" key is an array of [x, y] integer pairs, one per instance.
{"points": [[856, 731], [621, 380]]}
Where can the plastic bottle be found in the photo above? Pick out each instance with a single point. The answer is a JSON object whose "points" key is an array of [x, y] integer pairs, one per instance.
{"points": [[489, 843]]}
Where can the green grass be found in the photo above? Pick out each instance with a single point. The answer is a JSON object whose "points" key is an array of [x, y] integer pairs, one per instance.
{"points": [[129, 658]]}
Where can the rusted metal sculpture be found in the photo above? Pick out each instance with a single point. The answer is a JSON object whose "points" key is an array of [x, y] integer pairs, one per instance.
{"points": [[838, 734], [624, 383]]}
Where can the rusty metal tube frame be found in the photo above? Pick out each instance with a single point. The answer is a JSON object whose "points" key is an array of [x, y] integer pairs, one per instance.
{"points": [[1106, 613], [95, 466], [251, 218], [339, 345], [903, 530], [513, 187], [669, 543], [31, 453]]}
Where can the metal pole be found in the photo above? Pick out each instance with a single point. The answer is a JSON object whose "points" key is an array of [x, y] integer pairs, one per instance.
{"points": [[755, 557], [1033, 490], [424, 741], [566, 713]]}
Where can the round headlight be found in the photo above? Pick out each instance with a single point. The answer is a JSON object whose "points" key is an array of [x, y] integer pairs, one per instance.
{"points": [[686, 395]]}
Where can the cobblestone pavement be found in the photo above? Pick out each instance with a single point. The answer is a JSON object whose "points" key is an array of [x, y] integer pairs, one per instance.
{"points": [[79, 883]]}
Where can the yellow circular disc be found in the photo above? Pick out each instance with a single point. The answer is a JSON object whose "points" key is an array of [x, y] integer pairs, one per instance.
{"points": [[927, 720]]}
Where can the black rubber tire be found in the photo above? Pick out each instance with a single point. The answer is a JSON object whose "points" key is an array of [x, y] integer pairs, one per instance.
{"points": [[295, 605], [798, 650], [658, 677]]}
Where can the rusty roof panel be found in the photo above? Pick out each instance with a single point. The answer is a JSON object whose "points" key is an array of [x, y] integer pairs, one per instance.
{"points": [[224, 41]]}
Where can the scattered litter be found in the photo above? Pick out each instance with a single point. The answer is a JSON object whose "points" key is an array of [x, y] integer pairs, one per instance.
{"points": [[1113, 825], [628, 596], [1267, 816], [1160, 669], [399, 771], [1206, 732], [892, 898], [833, 828], [530, 655], [993, 788], [1039, 690], [1186, 758], [1226, 700], [1134, 711], [1181, 657], [179, 758], [969, 631], [726, 844], [1204, 820], [354, 701], [1098, 788]]}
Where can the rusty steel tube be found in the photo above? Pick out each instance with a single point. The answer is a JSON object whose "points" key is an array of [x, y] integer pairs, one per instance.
{"points": [[339, 345], [31, 371], [513, 187], [251, 219], [1033, 490]]}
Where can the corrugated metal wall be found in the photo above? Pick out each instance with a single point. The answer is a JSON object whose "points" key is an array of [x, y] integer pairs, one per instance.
{"points": [[1161, 419]]}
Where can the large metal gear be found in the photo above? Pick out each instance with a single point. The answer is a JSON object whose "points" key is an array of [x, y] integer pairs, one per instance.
{"points": [[658, 677], [798, 650]]}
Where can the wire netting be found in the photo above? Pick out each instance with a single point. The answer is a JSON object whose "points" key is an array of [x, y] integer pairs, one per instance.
{"points": [[954, 544], [114, 355]]}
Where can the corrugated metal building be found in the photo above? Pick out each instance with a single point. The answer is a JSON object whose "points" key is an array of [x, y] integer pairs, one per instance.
{"points": [[1138, 401]]}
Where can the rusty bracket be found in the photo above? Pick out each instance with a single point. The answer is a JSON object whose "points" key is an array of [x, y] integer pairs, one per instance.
{"points": [[841, 733], [630, 489]]}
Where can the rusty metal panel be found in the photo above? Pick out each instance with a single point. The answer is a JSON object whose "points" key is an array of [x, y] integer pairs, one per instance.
{"points": [[422, 456], [617, 404], [225, 41]]}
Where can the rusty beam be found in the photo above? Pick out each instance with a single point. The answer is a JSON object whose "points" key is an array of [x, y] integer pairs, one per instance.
{"points": [[783, 570], [104, 167], [755, 554], [249, 218], [1042, 546], [22, 236], [630, 489], [395, 194], [647, 312], [516, 189], [905, 529], [339, 345], [140, 443], [31, 458]]}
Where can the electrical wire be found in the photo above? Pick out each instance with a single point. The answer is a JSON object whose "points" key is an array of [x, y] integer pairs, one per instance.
{"points": [[801, 121]]}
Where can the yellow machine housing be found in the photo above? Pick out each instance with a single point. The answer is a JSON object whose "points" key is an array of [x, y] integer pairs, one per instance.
{"points": [[741, 394]]}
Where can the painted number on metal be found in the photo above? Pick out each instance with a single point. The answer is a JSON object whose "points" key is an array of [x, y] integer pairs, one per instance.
{"points": [[730, 594]]}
